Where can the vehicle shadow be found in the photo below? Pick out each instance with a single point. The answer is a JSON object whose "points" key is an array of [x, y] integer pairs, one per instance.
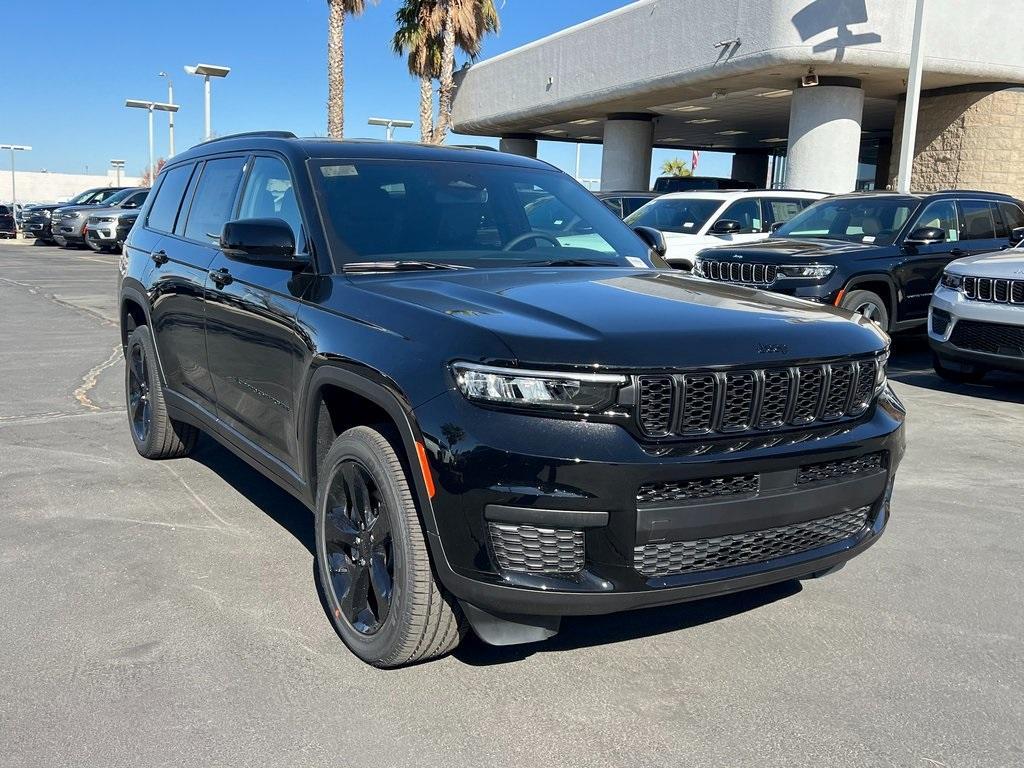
{"points": [[276, 503], [910, 363], [586, 631]]}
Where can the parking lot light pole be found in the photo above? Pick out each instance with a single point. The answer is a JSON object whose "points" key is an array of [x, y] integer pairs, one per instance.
{"points": [[151, 106], [389, 125], [910, 107], [14, 193], [118, 165], [206, 71], [170, 115]]}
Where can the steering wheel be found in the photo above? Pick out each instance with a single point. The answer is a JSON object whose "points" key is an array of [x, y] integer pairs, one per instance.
{"points": [[530, 236]]}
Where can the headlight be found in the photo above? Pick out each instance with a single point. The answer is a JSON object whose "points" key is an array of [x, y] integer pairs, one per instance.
{"points": [[881, 374], [698, 268], [814, 271], [574, 392], [951, 281]]}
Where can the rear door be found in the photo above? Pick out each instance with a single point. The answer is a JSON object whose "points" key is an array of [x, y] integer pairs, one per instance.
{"points": [[921, 266], [251, 331]]}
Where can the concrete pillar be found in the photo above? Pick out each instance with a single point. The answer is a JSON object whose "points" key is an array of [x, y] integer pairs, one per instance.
{"points": [[626, 157], [751, 166], [824, 136], [518, 146]]}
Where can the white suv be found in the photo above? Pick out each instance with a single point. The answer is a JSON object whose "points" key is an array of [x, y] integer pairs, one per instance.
{"points": [[692, 221], [976, 319]]}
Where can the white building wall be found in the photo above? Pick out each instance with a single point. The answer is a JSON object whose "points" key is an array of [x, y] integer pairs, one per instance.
{"points": [[37, 187]]}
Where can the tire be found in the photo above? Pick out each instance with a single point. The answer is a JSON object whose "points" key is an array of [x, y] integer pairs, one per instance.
{"points": [[968, 374], [413, 620], [155, 434], [868, 304]]}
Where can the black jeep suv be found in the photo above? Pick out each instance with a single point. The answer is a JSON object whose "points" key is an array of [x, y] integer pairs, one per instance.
{"points": [[493, 429], [877, 253]]}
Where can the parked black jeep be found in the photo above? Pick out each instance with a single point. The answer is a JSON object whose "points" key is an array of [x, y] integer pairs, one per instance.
{"points": [[877, 253], [493, 428]]}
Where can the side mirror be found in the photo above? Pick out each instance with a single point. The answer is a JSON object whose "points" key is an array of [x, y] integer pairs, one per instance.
{"points": [[926, 236], [1016, 236], [775, 226], [267, 242], [654, 239], [725, 227]]}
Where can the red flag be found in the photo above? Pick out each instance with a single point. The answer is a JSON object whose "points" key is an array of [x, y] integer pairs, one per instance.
{"points": [[694, 160]]}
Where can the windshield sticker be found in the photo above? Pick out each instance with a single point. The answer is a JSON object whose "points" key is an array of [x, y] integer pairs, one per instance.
{"points": [[638, 263], [330, 171], [868, 239]]}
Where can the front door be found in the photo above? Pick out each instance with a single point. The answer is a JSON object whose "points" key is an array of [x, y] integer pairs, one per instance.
{"points": [[252, 336], [921, 266]]}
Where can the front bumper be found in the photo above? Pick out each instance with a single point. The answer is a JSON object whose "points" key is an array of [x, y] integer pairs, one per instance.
{"points": [[958, 307], [38, 229], [106, 234], [70, 230], [487, 470]]}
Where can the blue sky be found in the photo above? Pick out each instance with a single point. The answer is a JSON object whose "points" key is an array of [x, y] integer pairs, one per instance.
{"points": [[67, 74]]}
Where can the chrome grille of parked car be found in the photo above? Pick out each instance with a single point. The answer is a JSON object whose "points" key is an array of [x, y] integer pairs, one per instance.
{"points": [[992, 289], [740, 401], [739, 549], [739, 272]]}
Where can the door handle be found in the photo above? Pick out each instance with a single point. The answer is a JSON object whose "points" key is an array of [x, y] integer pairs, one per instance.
{"points": [[958, 252], [159, 257], [220, 277]]}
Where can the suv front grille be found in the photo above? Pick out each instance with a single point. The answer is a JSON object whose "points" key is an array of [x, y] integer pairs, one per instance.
{"points": [[993, 338], [841, 469], [995, 290], [537, 550], [692, 490], [739, 272], [739, 549], [692, 404]]}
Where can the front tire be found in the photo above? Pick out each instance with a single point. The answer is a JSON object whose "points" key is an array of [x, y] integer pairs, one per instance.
{"points": [[869, 305], [372, 557], [155, 434]]}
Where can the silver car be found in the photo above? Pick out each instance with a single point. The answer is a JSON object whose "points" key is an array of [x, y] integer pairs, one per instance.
{"points": [[68, 223], [976, 319]]}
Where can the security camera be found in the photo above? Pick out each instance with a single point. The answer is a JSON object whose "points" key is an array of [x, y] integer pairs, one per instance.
{"points": [[809, 80]]}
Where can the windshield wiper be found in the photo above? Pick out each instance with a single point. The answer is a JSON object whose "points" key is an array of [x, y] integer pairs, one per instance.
{"points": [[399, 266], [574, 263]]}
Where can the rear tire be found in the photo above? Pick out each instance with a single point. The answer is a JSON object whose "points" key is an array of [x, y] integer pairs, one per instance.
{"points": [[372, 558], [968, 374], [868, 304], [155, 434]]}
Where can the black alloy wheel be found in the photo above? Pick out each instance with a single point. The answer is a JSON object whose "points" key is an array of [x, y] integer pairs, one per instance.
{"points": [[140, 411], [359, 548]]}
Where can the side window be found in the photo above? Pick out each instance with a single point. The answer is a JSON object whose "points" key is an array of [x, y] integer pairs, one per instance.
{"points": [[165, 206], [781, 210], [978, 222], [270, 194], [630, 204], [747, 213], [134, 201], [1008, 218], [615, 203], [214, 199], [942, 215]]}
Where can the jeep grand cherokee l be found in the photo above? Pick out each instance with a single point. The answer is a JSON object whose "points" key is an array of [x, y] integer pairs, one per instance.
{"points": [[876, 253], [493, 429]]}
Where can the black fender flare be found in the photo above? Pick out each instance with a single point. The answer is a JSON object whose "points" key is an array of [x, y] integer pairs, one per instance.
{"points": [[372, 386], [877, 277], [138, 296]]}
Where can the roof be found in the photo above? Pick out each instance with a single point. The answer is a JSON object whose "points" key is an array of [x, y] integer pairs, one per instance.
{"points": [[318, 147], [734, 194]]}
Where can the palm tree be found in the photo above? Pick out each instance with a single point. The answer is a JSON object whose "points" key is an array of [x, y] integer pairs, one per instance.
{"points": [[675, 167], [337, 11], [429, 31]]}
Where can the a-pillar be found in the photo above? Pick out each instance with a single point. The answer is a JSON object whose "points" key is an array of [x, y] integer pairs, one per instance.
{"points": [[626, 157], [518, 145], [824, 135]]}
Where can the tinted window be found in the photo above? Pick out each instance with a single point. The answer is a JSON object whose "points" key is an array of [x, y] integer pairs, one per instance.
{"points": [[854, 219], [270, 194], [105, 195], [779, 209], [630, 204], [165, 206], [747, 213], [1010, 217], [214, 199], [941, 214], [4, 210], [137, 199], [681, 214], [978, 221], [615, 204], [118, 197]]}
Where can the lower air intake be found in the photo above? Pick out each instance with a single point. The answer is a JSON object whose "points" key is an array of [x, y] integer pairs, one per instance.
{"points": [[530, 549], [738, 549]]}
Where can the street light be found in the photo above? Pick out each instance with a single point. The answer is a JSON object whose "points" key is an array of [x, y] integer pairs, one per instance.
{"points": [[913, 101], [390, 124], [14, 194], [118, 165], [206, 71], [170, 115], [150, 106]]}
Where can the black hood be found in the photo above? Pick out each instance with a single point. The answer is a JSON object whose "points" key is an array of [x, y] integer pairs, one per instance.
{"points": [[780, 250], [622, 318]]}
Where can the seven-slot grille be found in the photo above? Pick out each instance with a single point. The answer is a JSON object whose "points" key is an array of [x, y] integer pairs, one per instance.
{"points": [[677, 557], [537, 550], [738, 401], [993, 338], [994, 289], [739, 272]]}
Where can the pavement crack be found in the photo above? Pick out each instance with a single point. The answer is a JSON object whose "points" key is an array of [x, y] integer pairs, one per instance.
{"points": [[35, 290], [198, 499], [91, 376]]}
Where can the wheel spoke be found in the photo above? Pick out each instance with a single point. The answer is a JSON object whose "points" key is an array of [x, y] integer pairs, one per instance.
{"points": [[137, 366], [380, 525], [338, 529], [380, 579]]}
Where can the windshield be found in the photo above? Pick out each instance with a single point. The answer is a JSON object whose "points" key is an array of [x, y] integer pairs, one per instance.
{"points": [[680, 214], [84, 197], [855, 220], [467, 214], [118, 197]]}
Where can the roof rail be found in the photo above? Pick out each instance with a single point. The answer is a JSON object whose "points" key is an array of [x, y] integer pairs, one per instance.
{"points": [[254, 135]]}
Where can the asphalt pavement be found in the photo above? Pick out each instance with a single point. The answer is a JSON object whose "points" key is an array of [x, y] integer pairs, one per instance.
{"points": [[166, 614]]}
